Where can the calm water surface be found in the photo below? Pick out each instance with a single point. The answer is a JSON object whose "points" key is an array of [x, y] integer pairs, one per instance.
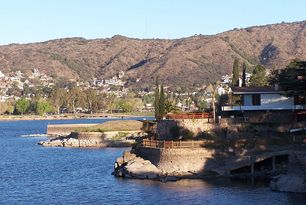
{"points": [[31, 174]]}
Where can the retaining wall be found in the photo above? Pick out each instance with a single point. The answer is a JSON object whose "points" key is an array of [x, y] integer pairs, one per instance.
{"points": [[184, 161], [98, 136]]}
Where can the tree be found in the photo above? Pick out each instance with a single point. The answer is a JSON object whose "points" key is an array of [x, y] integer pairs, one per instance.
{"points": [[235, 79], [162, 101], [22, 105], [213, 89], [259, 77], [58, 98], [75, 98], [10, 108], [170, 106], [129, 104], [202, 105], [244, 74], [292, 79], [107, 102], [43, 107], [3, 107], [156, 101], [91, 100]]}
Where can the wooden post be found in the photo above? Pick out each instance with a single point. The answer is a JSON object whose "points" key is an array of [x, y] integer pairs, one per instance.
{"points": [[252, 168], [251, 164], [273, 163]]}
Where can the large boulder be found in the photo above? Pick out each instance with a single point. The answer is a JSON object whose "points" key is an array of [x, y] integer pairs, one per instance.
{"points": [[53, 143], [142, 169], [131, 166]]}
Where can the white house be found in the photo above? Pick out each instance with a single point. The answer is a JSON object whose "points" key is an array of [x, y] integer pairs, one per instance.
{"points": [[1, 75], [264, 98]]}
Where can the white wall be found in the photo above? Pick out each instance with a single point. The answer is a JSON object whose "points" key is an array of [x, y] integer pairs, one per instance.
{"points": [[268, 102]]}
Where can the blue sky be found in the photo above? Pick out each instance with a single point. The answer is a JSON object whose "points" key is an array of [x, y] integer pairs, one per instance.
{"points": [[25, 21]]}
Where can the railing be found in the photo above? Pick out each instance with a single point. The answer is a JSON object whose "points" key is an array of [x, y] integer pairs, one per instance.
{"points": [[166, 144], [189, 116]]}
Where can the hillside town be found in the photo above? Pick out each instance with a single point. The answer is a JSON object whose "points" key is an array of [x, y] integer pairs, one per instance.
{"points": [[37, 85]]}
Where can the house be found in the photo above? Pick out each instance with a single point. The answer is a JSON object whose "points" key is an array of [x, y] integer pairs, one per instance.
{"points": [[264, 99], [1, 75]]}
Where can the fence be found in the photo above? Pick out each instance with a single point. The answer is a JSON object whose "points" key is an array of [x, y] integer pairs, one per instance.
{"points": [[173, 144], [190, 116]]}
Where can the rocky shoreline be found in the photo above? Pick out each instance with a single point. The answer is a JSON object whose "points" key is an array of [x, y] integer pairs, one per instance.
{"points": [[130, 165], [91, 140], [73, 142]]}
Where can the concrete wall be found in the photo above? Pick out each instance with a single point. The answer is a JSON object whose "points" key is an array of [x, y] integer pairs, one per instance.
{"points": [[194, 125], [65, 129], [89, 136], [98, 136], [185, 161]]}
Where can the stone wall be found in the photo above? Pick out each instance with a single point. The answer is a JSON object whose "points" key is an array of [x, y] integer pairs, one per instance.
{"points": [[165, 127], [185, 161]]}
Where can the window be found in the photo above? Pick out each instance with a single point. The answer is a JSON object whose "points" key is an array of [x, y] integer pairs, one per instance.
{"points": [[299, 100], [256, 99]]}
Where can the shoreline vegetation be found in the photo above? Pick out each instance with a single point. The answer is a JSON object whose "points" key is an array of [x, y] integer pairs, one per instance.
{"points": [[75, 116]]}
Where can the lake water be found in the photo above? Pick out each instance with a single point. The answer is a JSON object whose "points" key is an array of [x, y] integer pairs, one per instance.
{"points": [[31, 174]]}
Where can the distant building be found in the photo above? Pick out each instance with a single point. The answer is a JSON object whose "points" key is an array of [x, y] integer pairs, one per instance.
{"points": [[2, 75], [221, 91]]}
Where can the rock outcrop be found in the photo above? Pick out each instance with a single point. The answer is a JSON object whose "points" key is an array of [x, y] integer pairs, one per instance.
{"points": [[131, 166], [71, 142], [91, 139]]}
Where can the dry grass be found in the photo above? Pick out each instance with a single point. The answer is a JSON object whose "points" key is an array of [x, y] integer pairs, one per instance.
{"points": [[193, 60], [115, 125]]}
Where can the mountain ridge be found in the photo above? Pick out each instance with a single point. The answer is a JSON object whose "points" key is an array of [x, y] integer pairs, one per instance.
{"points": [[187, 61]]}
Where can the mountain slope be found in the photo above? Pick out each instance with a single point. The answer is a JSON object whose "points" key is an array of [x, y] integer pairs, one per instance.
{"points": [[183, 62]]}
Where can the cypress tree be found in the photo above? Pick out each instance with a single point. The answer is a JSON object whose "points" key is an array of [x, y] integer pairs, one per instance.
{"points": [[156, 101], [235, 79], [162, 101], [258, 77], [243, 75]]}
